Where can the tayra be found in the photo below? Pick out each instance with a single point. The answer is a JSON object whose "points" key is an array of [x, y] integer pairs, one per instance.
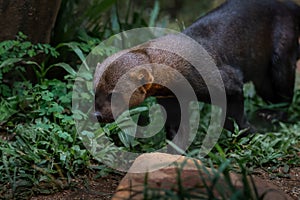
{"points": [[253, 40]]}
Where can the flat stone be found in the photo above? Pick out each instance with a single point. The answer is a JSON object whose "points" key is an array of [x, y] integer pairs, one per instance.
{"points": [[161, 172]]}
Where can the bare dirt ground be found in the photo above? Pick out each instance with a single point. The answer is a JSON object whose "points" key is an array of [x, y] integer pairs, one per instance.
{"points": [[88, 188], [287, 182]]}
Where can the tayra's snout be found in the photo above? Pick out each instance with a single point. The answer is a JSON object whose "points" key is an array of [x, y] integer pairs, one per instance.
{"points": [[102, 118], [99, 116]]}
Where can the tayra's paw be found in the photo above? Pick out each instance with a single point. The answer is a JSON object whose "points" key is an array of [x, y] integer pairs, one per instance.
{"points": [[266, 120], [272, 116]]}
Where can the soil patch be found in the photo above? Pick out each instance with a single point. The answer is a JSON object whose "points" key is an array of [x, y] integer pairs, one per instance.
{"points": [[87, 188], [287, 182]]}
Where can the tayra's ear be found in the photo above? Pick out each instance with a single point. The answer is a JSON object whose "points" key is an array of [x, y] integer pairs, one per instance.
{"points": [[144, 77]]}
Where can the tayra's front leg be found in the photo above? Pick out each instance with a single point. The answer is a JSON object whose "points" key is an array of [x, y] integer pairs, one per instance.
{"points": [[177, 122], [235, 113], [233, 82]]}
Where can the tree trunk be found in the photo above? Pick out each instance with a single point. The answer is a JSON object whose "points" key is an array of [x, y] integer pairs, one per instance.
{"points": [[35, 18]]}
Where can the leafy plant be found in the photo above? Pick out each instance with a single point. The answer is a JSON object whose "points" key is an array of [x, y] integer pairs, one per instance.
{"points": [[14, 54], [45, 145], [102, 18], [42, 150], [18, 55]]}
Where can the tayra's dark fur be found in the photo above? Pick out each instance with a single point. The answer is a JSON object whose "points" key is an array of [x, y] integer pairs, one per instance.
{"points": [[250, 40], [259, 38]]}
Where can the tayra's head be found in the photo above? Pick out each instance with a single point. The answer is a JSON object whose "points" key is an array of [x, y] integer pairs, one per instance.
{"points": [[120, 83]]}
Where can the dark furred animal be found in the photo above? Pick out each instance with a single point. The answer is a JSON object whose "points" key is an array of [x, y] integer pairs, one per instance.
{"points": [[259, 38], [250, 40]]}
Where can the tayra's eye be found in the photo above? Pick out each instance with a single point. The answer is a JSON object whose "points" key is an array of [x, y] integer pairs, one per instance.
{"points": [[113, 94], [108, 98]]}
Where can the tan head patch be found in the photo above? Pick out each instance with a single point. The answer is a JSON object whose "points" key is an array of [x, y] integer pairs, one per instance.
{"points": [[142, 76]]}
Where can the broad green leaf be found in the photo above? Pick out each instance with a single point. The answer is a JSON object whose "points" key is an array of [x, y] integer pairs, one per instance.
{"points": [[10, 61], [77, 50], [66, 67], [154, 14]]}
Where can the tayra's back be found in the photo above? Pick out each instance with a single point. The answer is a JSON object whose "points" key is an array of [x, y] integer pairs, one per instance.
{"points": [[247, 34]]}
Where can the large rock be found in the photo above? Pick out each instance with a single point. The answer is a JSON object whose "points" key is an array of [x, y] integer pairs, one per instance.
{"points": [[194, 179]]}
